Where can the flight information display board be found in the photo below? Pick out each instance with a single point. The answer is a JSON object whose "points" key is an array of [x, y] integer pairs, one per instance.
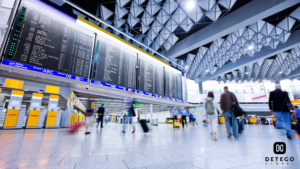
{"points": [[41, 37], [113, 63], [150, 77], [173, 87]]}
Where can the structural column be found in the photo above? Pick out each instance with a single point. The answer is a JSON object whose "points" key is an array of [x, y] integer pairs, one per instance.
{"points": [[151, 111], [200, 88]]}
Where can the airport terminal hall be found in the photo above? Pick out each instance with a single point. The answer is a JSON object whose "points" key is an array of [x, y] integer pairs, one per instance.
{"points": [[149, 84]]}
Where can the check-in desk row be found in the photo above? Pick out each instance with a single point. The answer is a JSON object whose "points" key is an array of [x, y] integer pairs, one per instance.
{"points": [[14, 116]]}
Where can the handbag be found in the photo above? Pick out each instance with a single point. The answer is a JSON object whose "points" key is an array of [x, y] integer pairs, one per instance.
{"points": [[237, 110]]}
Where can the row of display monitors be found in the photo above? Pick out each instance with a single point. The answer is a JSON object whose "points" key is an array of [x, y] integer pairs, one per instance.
{"points": [[43, 39]]}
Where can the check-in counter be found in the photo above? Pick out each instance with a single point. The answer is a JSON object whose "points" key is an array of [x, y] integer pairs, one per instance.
{"points": [[35, 112], [65, 118], [14, 118], [53, 114]]}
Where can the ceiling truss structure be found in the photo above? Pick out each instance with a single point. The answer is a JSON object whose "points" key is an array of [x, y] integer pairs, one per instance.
{"points": [[245, 41], [153, 22], [271, 68]]}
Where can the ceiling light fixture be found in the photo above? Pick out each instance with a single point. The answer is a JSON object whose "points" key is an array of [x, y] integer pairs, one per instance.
{"points": [[207, 70], [190, 5], [186, 67], [250, 47], [246, 73], [280, 72]]}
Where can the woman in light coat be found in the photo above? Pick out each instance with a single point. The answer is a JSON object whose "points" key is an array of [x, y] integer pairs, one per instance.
{"points": [[211, 114]]}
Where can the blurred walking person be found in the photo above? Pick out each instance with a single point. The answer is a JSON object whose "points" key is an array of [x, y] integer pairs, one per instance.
{"points": [[100, 112], [128, 106], [211, 106], [183, 112], [88, 118], [191, 117], [174, 113], [280, 105], [106, 118], [226, 102]]}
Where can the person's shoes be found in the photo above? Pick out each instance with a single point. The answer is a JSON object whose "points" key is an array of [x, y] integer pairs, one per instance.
{"points": [[133, 131], [87, 133], [289, 137], [101, 127], [123, 131], [229, 135], [236, 138], [215, 139]]}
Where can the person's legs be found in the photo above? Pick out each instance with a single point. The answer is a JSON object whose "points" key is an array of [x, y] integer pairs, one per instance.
{"points": [[279, 120], [87, 124], [227, 122], [209, 125], [101, 120], [133, 126], [183, 120], [214, 125], [97, 123], [286, 117], [234, 125], [124, 123]]}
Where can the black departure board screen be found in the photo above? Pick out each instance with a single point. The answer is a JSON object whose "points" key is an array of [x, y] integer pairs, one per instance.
{"points": [[42, 37], [150, 76], [113, 63], [173, 85]]}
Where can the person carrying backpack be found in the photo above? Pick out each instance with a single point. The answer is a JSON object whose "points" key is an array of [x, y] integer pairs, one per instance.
{"points": [[210, 107]]}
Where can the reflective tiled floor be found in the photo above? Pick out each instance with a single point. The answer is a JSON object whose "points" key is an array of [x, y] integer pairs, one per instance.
{"points": [[163, 147]]}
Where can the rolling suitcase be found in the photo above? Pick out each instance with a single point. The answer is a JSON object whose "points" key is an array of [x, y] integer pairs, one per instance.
{"points": [[144, 125], [176, 123], [75, 127]]}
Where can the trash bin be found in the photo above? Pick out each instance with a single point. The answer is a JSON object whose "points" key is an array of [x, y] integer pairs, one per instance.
{"points": [[155, 122]]}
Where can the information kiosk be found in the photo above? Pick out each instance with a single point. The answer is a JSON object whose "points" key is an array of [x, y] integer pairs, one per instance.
{"points": [[35, 116], [15, 112], [53, 115]]}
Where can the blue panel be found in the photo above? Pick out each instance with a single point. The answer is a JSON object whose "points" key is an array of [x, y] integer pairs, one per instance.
{"points": [[150, 94], [158, 96], [42, 70], [111, 86]]}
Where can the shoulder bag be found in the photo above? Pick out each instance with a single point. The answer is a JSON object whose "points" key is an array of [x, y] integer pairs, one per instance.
{"points": [[237, 110]]}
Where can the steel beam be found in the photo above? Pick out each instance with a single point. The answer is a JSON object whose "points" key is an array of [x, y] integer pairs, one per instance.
{"points": [[244, 16], [293, 41]]}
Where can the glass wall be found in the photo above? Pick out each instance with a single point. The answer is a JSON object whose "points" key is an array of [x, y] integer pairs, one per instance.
{"points": [[5, 10], [192, 87]]}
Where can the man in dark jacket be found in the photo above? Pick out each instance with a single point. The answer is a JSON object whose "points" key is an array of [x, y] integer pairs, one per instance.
{"points": [[100, 112], [280, 105], [227, 100]]}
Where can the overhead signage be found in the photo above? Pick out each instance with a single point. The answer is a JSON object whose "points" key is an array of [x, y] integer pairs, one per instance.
{"points": [[42, 70]]}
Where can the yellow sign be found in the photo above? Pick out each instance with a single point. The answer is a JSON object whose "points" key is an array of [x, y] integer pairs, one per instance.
{"points": [[54, 97], [93, 105], [13, 83], [17, 93], [52, 89], [295, 102], [37, 95]]}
